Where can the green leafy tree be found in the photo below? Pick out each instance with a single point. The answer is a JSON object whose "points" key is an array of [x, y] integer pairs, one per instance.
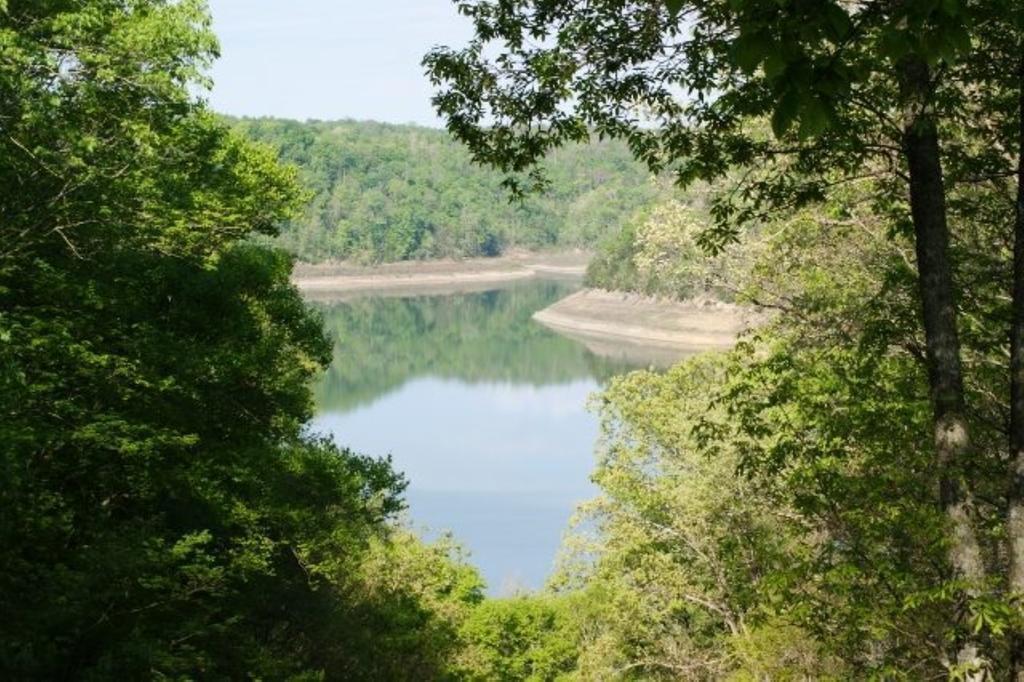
{"points": [[161, 513], [657, 253], [850, 90], [753, 520], [387, 193], [683, 562], [528, 637]]}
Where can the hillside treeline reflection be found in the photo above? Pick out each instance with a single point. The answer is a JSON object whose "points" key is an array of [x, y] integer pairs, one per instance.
{"points": [[380, 343]]}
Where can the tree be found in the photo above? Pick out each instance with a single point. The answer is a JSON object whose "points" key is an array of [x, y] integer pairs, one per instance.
{"points": [[999, 112], [751, 507], [526, 637], [850, 90], [677, 550], [162, 513], [386, 192], [656, 253]]}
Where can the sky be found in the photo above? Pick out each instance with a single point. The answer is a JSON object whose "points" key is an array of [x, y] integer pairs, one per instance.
{"points": [[330, 59]]}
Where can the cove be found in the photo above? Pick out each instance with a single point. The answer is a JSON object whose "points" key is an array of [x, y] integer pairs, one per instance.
{"points": [[483, 410]]}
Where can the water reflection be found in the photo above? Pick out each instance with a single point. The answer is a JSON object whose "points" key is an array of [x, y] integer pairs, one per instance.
{"points": [[482, 408], [383, 342]]}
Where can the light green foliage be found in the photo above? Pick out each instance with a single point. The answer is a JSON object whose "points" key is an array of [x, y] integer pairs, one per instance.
{"points": [[658, 253], [754, 522], [387, 192], [529, 637], [777, 650], [667, 248], [681, 555], [419, 596]]}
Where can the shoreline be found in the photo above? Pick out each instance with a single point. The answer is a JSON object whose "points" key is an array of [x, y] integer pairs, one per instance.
{"points": [[596, 316], [437, 276], [610, 323]]}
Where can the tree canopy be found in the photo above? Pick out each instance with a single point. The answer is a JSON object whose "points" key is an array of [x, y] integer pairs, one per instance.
{"points": [[778, 104], [839, 497], [162, 513], [387, 192]]}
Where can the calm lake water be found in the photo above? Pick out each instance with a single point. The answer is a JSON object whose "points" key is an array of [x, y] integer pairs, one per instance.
{"points": [[483, 409]]}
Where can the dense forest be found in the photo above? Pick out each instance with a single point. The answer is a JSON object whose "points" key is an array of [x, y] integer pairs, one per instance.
{"points": [[387, 192], [164, 515], [839, 497]]}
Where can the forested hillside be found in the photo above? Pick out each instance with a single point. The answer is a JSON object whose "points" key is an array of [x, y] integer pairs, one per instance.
{"points": [[657, 253], [388, 192], [839, 497]]}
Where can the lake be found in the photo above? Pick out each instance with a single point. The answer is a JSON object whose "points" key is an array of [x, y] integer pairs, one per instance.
{"points": [[483, 409]]}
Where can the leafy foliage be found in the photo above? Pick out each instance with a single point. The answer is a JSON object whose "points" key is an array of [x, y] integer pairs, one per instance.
{"points": [[783, 511], [799, 95], [658, 253], [386, 193], [779, 106], [162, 515], [521, 638], [754, 520]]}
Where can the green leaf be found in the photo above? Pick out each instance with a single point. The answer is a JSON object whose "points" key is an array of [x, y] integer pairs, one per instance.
{"points": [[785, 113], [814, 118], [674, 6], [960, 38], [775, 65], [838, 21], [893, 43], [749, 50], [833, 82]]}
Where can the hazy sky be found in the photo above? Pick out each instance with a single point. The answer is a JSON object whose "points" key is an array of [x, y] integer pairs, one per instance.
{"points": [[330, 59]]}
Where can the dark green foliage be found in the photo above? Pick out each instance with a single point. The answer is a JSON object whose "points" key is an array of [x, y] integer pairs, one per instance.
{"points": [[161, 514], [387, 192]]}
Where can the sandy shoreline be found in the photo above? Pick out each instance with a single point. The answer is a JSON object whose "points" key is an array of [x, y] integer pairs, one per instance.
{"points": [[610, 323], [440, 276], [684, 327]]}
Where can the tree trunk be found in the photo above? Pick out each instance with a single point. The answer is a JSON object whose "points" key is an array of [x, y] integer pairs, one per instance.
{"points": [[935, 277], [1015, 520]]}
